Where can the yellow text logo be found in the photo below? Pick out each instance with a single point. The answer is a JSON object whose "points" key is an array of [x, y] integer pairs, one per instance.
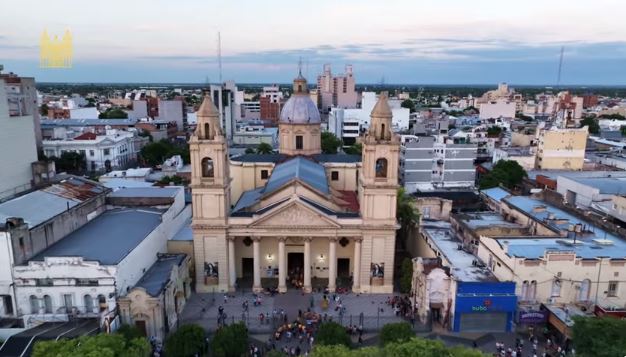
{"points": [[55, 52]]}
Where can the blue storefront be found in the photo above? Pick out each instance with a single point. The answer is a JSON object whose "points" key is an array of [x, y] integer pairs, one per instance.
{"points": [[484, 307]]}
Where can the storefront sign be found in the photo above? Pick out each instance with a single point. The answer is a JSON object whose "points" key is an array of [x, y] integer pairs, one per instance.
{"points": [[532, 317]]}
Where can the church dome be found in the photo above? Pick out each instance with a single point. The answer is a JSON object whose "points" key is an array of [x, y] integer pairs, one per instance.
{"points": [[299, 108]]}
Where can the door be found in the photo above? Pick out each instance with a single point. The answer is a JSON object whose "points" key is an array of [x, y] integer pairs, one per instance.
{"points": [[295, 263], [343, 267], [8, 305], [141, 326], [247, 267], [483, 322]]}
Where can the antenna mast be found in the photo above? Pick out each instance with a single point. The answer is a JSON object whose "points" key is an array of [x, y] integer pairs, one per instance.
{"points": [[558, 77], [219, 55]]}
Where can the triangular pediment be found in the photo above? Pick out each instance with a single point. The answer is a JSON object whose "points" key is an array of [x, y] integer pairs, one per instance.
{"points": [[294, 214]]}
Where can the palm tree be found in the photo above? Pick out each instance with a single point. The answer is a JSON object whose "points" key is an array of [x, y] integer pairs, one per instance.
{"points": [[264, 148], [406, 212]]}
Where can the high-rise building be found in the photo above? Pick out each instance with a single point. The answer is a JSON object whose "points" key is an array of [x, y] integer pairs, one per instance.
{"points": [[22, 99], [336, 91], [270, 101], [561, 149], [18, 144]]}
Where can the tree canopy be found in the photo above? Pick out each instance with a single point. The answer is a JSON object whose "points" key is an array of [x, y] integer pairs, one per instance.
{"points": [[396, 332], [599, 336], [406, 212], [330, 143], [414, 347], [71, 162], [264, 148], [406, 275], [409, 104], [613, 116], [354, 149], [156, 152], [113, 113], [592, 123], [103, 345], [231, 340], [187, 341], [332, 333], [506, 172]]}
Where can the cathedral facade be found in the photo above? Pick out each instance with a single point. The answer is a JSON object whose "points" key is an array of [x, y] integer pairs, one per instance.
{"points": [[297, 219]]}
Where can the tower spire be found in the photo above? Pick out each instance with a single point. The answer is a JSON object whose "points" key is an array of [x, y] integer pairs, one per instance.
{"points": [[300, 66]]}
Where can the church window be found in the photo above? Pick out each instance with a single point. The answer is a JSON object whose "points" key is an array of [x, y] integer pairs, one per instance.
{"points": [[207, 167], [299, 142], [334, 175], [264, 175], [381, 167], [207, 131]]}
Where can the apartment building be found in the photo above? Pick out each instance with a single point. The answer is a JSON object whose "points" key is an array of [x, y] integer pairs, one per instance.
{"points": [[561, 149], [270, 101], [336, 91]]}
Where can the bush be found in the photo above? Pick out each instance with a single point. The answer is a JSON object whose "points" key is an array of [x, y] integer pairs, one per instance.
{"points": [[406, 275], [396, 332], [230, 341], [114, 345], [332, 333], [188, 340], [129, 332]]}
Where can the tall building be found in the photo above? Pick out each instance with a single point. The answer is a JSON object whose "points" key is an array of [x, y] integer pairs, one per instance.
{"points": [[18, 143], [21, 94], [228, 100], [270, 101], [336, 91], [299, 217], [561, 149]]}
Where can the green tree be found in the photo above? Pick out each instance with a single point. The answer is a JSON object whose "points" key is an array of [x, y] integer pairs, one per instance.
{"points": [[332, 333], [330, 143], [506, 172], [113, 113], [70, 161], [275, 353], [613, 116], [187, 341], [249, 151], [129, 332], [406, 275], [592, 123], [622, 129], [43, 110], [354, 149], [230, 341], [264, 148], [416, 347], [599, 336], [103, 345], [494, 131], [155, 153], [146, 134], [409, 104], [406, 212], [396, 332]]}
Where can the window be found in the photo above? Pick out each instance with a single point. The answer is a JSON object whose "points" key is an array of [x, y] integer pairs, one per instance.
{"points": [[86, 282], [207, 131], [381, 167], [264, 174], [44, 282], [613, 285], [91, 153], [107, 152], [334, 175], [299, 142], [556, 288], [82, 153], [67, 302], [47, 303], [88, 301], [34, 304], [207, 167]]}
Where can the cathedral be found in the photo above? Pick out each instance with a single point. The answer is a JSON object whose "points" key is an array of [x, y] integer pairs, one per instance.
{"points": [[298, 219]]}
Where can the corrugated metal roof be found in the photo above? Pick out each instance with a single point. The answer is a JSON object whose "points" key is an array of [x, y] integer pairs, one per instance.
{"points": [[108, 238], [157, 277], [495, 193]]}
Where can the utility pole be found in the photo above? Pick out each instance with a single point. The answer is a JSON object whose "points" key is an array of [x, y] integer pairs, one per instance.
{"points": [[219, 55]]}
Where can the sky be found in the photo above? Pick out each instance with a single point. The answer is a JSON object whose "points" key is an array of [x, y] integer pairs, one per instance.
{"points": [[395, 41]]}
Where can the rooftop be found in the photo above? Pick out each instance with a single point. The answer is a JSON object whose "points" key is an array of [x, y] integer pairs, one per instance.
{"points": [[41, 205], [185, 233], [109, 238], [606, 185], [87, 122], [496, 193], [153, 191], [462, 264], [476, 220], [157, 277]]}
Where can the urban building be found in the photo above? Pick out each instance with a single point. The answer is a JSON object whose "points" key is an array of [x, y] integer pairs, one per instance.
{"points": [[227, 99], [561, 149], [299, 219], [20, 95], [336, 91], [18, 141], [499, 108], [270, 102]]}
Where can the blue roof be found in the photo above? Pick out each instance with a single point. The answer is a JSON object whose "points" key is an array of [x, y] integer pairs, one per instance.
{"points": [[592, 244], [299, 168], [496, 193], [108, 238], [185, 233], [153, 191], [157, 277], [606, 185], [86, 122]]}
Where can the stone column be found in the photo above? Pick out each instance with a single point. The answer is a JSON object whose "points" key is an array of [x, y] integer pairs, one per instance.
{"points": [[307, 264], [332, 265], [232, 273], [282, 266], [256, 285], [356, 275]]}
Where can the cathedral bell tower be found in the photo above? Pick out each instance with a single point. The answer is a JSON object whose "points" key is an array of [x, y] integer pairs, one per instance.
{"points": [[210, 185], [378, 186]]}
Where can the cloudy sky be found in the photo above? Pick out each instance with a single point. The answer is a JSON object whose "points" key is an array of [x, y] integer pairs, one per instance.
{"points": [[427, 42]]}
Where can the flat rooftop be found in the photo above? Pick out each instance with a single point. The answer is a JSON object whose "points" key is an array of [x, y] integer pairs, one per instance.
{"points": [[157, 277], [496, 193], [593, 243], [606, 185], [107, 239], [477, 220], [462, 264], [155, 191], [185, 233]]}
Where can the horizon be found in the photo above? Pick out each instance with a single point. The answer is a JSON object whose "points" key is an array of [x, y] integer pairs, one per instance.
{"points": [[447, 43]]}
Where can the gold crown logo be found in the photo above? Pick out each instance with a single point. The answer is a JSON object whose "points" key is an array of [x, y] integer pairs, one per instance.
{"points": [[55, 52]]}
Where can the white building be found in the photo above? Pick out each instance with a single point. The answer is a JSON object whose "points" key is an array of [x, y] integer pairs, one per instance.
{"points": [[497, 108], [116, 149], [85, 272], [18, 147]]}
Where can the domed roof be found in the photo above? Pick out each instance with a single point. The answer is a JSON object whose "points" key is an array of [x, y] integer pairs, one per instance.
{"points": [[300, 109]]}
